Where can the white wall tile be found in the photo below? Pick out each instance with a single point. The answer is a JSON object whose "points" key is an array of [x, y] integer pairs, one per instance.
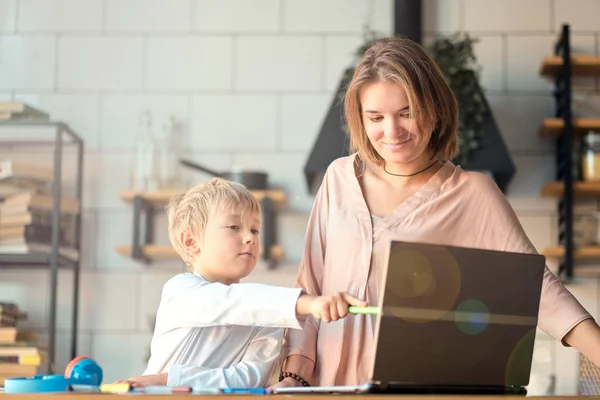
{"points": [[151, 285], [217, 161], [115, 228], [490, 15], [80, 112], [60, 15], [27, 62], [383, 17], [532, 173], [301, 118], [108, 301], [531, 204], [286, 171], [280, 63], [29, 290], [63, 348], [336, 16], [539, 229], [8, 11], [121, 114], [64, 300], [189, 63], [121, 356], [291, 231], [107, 175], [237, 16], [525, 56], [103, 63], [490, 56], [148, 15], [340, 54], [529, 111], [441, 15], [581, 16], [222, 122]]}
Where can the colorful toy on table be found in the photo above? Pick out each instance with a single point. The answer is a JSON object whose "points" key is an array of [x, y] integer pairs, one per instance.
{"points": [[80, 371]]}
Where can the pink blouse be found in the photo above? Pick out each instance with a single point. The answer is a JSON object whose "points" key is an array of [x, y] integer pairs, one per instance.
{"points": [[344, 252]]}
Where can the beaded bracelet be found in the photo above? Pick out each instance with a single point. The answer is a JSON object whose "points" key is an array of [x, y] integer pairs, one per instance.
{"points": [[294, 376]]}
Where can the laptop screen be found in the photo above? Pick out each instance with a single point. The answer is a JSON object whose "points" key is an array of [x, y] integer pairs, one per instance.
{"points": [[457, 316]]}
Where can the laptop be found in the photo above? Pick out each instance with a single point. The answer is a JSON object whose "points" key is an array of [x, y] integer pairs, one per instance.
{"points": [[452, 320]]}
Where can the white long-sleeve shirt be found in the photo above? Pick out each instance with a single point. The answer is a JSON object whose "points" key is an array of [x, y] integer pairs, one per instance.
{"points": [[215, 335]]}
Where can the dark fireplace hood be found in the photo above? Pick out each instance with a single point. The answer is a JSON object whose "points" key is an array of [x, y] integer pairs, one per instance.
{"points": [[492, 156]]}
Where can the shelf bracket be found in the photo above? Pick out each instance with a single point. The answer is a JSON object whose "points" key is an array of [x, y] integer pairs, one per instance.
{"points": [[142, 223]]}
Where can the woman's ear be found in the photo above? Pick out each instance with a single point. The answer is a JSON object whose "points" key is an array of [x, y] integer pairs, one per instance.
{"points": [[190, 244]]}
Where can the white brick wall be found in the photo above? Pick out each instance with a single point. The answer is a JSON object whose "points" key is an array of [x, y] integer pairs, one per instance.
{"points": [[251, 81]]}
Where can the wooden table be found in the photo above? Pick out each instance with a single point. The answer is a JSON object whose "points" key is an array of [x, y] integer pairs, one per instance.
{"points": [[101, 396]]}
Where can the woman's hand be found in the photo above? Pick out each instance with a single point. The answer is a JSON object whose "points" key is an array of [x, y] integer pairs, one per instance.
{"points": [[147, 380], [287, 382], [328, 308]]}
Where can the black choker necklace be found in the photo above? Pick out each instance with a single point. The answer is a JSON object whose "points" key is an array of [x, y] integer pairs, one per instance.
{"points": [[416, 173]]}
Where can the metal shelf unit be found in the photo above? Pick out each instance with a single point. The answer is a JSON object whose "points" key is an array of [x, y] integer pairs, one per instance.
{"points": [[63, 136]]}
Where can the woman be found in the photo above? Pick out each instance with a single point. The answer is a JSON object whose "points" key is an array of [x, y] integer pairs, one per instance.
{"points": [[399, 184]]}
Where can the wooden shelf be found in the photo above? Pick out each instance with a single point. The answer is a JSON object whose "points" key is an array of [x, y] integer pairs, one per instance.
{"points": [[553, 127], [582, 65], [580, 253], [580, 189], [162, 198], [156, 251]]}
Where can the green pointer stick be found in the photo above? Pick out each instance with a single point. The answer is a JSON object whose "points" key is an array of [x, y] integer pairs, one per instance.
{"points": [[363, 310]]}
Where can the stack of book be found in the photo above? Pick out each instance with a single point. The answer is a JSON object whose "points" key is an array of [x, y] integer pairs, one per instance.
{"points": [[19, 354], [26, 204], [16, 111]]}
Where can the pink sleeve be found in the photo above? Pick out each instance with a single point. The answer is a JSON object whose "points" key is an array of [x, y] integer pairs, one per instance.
{"points": [[310, 276], [559, 310]]}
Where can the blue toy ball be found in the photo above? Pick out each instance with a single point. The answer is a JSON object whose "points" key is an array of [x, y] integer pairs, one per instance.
{"points": [[80, 371]]}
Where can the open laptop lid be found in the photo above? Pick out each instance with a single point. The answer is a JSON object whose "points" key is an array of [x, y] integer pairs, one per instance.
{"points": [[457, 316]]}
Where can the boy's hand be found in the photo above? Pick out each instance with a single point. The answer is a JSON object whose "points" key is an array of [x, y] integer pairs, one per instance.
{"points": [[147, 380], [328, 308]]}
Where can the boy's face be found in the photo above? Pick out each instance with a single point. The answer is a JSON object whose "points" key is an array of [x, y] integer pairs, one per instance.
{"points": [[230, 245]]}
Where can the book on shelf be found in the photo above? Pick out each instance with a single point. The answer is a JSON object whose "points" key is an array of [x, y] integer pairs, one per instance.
{"points": [[14, 186], [35, 233], [19, 170], [24, 202], [18, 111], [69, 253], [20, 353]]}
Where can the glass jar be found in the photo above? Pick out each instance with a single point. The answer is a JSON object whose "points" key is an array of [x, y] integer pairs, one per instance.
{"points": [[591, 157], [170, 149]]}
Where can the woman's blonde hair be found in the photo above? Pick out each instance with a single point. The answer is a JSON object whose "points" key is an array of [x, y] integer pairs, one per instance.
{"points": [[190, 211], [431, 101]]}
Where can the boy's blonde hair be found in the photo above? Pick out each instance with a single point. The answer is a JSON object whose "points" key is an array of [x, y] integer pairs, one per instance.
{"points": [[190, 211]]}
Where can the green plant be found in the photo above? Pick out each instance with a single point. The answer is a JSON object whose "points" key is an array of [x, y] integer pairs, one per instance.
{"points": [[455, 57]]}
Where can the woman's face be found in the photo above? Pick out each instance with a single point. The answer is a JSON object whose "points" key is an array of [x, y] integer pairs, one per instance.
{"points": [[392, 131]]}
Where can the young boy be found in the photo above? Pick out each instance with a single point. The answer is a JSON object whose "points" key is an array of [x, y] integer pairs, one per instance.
{"points": [[212, 331]]}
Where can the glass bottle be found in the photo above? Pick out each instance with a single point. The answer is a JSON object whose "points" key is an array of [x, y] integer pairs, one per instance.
{"points": [[144, 173], [591, 157], [170, 178]]}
